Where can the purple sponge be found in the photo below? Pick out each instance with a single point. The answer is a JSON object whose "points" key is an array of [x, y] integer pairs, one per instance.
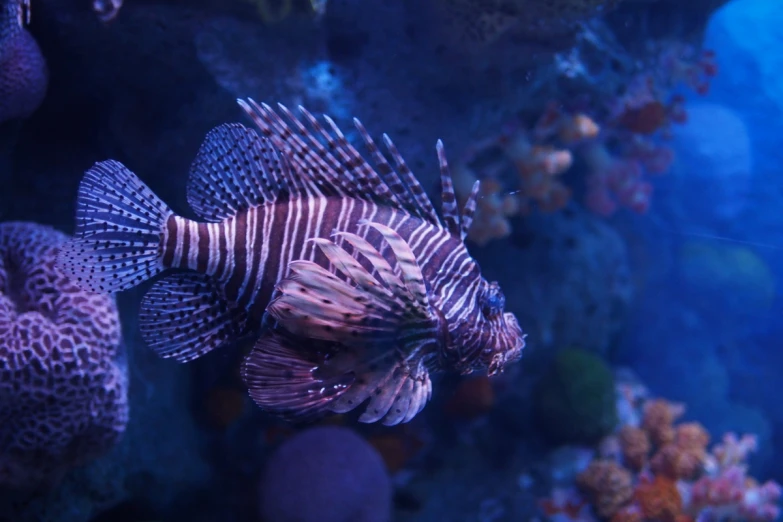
{"points": [[326, 474]]}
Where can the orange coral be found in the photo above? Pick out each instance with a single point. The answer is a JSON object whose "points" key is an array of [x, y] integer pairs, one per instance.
{"points": [[608, 486], [569, 128], [684, 457], [658, 420], [659, 499], [635, 445], [539, 168], [692, 436], [493, 208]]}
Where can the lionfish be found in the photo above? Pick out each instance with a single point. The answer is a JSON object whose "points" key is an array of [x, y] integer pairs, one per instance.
{"points": [[351, 285]]}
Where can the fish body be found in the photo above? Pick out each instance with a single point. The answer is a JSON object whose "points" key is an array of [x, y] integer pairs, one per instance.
{"points": [[249, 253], [353, 286]]}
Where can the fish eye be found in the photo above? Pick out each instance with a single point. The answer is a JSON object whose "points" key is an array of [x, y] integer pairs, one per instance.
{"points": [[494, 301]]}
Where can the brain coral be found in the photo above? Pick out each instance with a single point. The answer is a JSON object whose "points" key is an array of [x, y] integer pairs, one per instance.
{"points": [[63, 397], [326, 474]]}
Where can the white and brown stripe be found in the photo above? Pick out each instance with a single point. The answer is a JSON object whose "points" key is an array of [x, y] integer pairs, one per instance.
{"points": [[248, 254]]}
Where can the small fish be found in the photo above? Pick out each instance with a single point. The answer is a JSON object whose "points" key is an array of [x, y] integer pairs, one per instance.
{"points": [[353, 286]]}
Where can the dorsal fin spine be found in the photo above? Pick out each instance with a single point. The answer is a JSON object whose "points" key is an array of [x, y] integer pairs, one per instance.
{"points": [[354, 160], [420, 199], [324, 162], [385, 170], [469, 210], [448, 198]]}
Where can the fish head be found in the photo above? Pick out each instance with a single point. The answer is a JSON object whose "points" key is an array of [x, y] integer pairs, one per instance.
{"points": [[490, 338]]}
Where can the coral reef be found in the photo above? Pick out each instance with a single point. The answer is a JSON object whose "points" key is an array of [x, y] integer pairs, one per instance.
{"points": [[326, 474], [536, 159], [63, 393], [665, 472]]}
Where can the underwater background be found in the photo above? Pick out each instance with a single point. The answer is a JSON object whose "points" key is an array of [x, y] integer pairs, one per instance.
{"points": [[629, 155]]}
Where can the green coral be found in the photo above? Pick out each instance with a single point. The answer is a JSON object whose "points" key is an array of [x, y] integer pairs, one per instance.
{"points": [[575, 401]]}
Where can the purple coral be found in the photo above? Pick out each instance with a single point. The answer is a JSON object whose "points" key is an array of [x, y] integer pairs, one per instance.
{"points": [[23, 73], [63, 397], [326, 474]]}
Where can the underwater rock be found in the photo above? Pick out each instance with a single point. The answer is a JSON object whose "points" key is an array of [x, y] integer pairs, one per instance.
{"points": [[568, 279], [326, 474]]}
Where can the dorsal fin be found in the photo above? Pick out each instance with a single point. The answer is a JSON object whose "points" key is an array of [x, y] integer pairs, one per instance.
{"points": [[234, 170], [324, 151], [448, 198], [309, 159]]}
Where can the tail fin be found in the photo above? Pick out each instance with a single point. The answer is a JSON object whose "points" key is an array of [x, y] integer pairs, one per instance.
{"points": [[119, 227]]}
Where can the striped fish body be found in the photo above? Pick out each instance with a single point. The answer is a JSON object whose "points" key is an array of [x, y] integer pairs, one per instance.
{"points": [[353, 286], [247, 255]]}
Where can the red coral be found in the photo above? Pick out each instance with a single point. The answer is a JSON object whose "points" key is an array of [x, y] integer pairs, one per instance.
{"points": [[659, 499]]}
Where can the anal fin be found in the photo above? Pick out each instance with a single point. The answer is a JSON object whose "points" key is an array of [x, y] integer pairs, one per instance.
{"points": [[397, 388], [184, 316], [301, 379], [283, 378]]}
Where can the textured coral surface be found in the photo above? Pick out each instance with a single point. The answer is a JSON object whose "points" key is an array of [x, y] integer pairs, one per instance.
{"points": [[63, 398]]}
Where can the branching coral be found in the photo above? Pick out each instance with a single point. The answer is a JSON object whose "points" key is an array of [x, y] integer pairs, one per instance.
{"points": [[608, 485], [534, 160], [63, 397], [23, 73], [620, 156], [726, 492], [636, 121], [666, 474]]}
